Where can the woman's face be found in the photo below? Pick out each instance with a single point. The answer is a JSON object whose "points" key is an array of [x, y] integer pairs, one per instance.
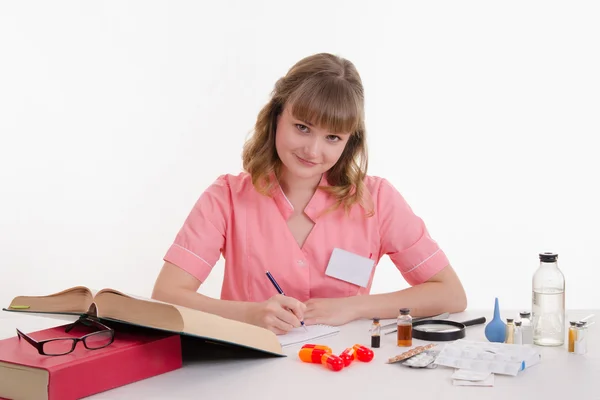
{"points": [[306, 151]]}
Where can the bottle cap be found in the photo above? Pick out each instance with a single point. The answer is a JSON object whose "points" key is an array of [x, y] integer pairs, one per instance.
{"points": [[573, 323], [375, 319], [518, 323], [580, 324], [548, 257], [524, 314], [404, 311], [509, 319]]}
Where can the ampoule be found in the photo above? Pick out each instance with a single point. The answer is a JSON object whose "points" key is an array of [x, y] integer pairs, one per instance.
{"points": [[518, 333], [510, 331], [404, 328], [376, 333]]}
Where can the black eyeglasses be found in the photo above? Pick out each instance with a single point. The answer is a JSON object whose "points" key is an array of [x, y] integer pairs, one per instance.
{"points": [[62, 346]]}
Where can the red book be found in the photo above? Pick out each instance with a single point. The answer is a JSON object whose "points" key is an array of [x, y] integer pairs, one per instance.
{"points": [[135, 354]]}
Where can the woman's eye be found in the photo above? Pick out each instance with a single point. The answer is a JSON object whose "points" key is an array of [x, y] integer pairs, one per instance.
{"points": [[302, 128], [333, 138]]}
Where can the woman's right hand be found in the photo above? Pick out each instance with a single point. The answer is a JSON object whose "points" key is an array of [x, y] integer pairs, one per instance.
{"points": [[279, 314]]}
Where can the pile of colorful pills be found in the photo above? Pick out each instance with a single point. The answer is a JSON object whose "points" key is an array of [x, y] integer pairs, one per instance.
{"points": [[319, 354]]}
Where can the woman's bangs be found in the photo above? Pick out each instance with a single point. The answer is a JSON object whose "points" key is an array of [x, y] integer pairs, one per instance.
{"points": [[327, 104]]}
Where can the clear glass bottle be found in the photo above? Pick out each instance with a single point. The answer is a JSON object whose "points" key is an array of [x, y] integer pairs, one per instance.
{"points": [[510, 331], [376, 333], [526, 328], [404, 328], [548, 302]]}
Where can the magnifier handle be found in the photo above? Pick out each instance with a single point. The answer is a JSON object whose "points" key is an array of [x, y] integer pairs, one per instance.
{"points": [[476, 321]]}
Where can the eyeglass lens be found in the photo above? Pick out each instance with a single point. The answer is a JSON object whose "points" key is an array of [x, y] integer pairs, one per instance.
{"points": [[96, 340]]}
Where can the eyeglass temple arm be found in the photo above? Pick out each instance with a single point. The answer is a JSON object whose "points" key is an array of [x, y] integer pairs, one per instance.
{"points": [[29, 340]]}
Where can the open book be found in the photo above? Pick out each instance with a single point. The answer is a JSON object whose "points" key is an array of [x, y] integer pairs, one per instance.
{"points": [[112, 305]]}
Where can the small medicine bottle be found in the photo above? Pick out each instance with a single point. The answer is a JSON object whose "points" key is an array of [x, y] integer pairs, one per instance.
{"points": [[404, 328], [581, 338], [572, 336], [526, 327], [518, 333], [510, 331], [376, 333]]}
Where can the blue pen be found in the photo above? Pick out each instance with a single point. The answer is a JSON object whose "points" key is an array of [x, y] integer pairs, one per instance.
{"points": [[279, 290]]}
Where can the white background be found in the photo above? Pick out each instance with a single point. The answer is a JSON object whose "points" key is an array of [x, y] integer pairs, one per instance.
{"points": [[115, 116]]}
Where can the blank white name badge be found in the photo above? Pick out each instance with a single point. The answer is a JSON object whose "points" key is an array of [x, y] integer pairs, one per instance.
{"points": [[350, 267]]}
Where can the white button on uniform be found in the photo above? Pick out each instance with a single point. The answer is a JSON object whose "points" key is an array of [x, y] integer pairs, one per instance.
{"points": [[300, 262]]}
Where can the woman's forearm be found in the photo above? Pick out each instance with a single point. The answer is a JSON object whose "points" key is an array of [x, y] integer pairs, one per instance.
{"points": [[429, 298], [176, 286], [237, 310]]}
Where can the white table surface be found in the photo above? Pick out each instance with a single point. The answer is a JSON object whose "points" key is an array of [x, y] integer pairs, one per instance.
{"points": [[559, 373]]}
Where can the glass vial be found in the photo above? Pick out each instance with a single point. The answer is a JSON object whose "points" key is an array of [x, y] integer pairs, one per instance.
{"points": [[548, 302], [526, 327], [376, 333], [404, 328], [581, 339], [572, 336], [518, 333], [510, 331]]}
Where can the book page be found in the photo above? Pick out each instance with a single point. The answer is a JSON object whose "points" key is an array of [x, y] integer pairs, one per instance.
{"points": [[73, 300], [151, 313], [301, 336], [127, 294]]}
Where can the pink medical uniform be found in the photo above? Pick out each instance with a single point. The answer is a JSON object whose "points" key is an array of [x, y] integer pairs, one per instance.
{"points": [[249, 230]]}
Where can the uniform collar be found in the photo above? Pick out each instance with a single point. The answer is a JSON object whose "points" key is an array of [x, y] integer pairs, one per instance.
{"points": [[317, 204]]}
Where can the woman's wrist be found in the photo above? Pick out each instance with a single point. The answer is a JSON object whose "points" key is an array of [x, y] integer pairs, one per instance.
{"points": [[357, 307]]}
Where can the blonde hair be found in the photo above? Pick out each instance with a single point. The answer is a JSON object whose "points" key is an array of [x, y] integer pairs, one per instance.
{"points": [[326, 91]]}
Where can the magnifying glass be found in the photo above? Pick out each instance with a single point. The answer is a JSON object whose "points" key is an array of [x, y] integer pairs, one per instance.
{"points": [[442, 330]]}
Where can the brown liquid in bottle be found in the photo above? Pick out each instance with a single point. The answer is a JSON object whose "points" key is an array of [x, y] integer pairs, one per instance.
{"points": [[404, 335], [572, 339], [375, 341]]}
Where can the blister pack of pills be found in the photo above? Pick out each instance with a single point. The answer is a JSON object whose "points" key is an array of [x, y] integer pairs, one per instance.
{"points": [[422, 360], [410, 353], [498, 358]]}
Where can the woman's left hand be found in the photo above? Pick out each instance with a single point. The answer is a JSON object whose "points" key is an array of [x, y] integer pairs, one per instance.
{"points": [[328, 311]]}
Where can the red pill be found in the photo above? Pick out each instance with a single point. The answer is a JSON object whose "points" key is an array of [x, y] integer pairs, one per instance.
{"points": [[332, 362], [348, 356], [312, 355], [363, 353]]}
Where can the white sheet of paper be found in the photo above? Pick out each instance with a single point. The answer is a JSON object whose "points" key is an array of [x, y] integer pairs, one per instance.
{"points": [[350, 267], [469, 375], [312, 332]]}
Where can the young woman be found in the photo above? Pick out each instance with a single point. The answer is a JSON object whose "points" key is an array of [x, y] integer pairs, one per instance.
{"points": [[305, 210]]}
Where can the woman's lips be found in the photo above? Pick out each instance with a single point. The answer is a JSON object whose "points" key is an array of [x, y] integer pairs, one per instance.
{"points": [[306, 162]]}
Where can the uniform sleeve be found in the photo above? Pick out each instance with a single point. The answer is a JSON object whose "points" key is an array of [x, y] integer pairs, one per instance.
{"points": [[201, 240], [405, 239]]}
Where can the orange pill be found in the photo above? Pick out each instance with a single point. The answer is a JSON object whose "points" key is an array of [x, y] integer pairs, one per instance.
{"points": [[316, 346], [312, 355]]}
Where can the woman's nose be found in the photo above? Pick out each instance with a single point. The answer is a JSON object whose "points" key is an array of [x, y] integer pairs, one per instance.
{"points": [[312, 147]]}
